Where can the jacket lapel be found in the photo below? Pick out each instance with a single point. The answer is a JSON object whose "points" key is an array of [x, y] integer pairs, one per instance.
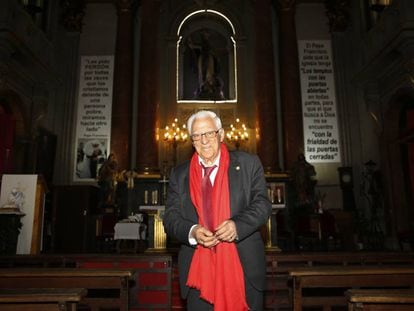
{"points": [[235, 182], [188, 203]]}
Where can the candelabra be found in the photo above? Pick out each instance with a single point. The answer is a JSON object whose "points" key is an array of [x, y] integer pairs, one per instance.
{"points": [[174, 134], [238, 133]]}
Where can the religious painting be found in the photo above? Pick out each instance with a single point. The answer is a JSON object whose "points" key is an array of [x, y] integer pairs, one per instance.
{"points": [[206, 60], [206, 63]]}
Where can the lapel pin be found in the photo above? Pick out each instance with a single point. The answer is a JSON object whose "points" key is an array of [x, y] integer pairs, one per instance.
{"points": [[237, 168]]}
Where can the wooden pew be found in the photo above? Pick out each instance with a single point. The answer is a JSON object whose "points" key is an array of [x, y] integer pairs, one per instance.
{"points": [[152, 280], [41, 299], [163, 292], [151, 286], [344, 277], [37, 261], [278, 294], [380, 299], [98, 282]]}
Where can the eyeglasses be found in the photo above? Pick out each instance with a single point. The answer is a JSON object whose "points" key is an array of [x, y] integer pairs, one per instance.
{"points": [[208, 135]]}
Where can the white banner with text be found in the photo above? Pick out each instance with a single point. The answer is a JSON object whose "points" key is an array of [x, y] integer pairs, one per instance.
{"points": [[93, 125], [320, 124]]}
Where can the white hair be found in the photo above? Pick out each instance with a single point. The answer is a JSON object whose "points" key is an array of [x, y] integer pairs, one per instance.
{"points": [[201, 115]]}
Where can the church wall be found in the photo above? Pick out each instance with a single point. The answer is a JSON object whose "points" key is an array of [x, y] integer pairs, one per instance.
{"points": [[379, 76], [373, 73]]}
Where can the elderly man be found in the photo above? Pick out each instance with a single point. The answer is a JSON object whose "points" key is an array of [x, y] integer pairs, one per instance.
{"points": [[216, 204]]}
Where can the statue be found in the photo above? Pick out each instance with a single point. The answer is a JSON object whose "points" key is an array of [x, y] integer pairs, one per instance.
{"points": [[107, 179], [303, 178], [210, 85], [372, 191], [15, 202], [16, 198]]}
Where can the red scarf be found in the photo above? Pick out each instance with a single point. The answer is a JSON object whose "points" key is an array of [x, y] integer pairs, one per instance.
{"points": [[217, 273]]}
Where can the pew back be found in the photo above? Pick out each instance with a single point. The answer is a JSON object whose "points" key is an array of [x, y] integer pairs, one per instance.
{"points": [[380, 299], [279, 289], [342, 277], [98, 282], [41, 299]]}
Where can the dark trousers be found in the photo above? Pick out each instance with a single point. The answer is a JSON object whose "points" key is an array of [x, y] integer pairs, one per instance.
{"points": [[254, 300]]}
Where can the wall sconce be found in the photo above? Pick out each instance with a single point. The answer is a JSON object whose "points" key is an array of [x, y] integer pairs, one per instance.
{"points": [[237, 133], [174, 134]]}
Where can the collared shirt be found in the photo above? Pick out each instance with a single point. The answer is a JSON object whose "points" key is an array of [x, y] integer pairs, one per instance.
{"points": [[213, 175], [214, 172]]}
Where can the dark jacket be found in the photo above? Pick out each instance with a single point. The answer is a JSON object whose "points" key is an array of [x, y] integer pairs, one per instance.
{"points": [[250, 209]]}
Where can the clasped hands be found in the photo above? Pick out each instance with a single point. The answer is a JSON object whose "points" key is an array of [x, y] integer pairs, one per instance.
{"points": [[225, 232]]}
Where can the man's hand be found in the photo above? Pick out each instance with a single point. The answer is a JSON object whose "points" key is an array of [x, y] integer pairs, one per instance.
{"points": [[226, 231], [204, 237]]}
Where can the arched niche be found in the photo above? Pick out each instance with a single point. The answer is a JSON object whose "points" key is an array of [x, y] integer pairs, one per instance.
{"points": [[206, 59]]}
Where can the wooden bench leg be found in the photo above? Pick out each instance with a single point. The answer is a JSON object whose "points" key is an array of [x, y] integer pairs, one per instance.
{"points": [[297, 295]]}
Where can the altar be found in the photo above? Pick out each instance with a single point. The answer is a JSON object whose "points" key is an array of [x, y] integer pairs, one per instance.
{"points": [[126, 231]]}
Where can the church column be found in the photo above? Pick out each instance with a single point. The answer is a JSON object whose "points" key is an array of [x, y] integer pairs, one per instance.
{"points": [[123, 76], [72, 19], [265, 89], [290, 83], [148, 89]]}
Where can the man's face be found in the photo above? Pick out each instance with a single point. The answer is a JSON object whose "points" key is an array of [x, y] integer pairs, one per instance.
{"points": [[207, 148]]}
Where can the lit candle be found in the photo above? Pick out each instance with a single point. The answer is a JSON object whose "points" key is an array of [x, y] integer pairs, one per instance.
{"points": [[146, 197]]}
